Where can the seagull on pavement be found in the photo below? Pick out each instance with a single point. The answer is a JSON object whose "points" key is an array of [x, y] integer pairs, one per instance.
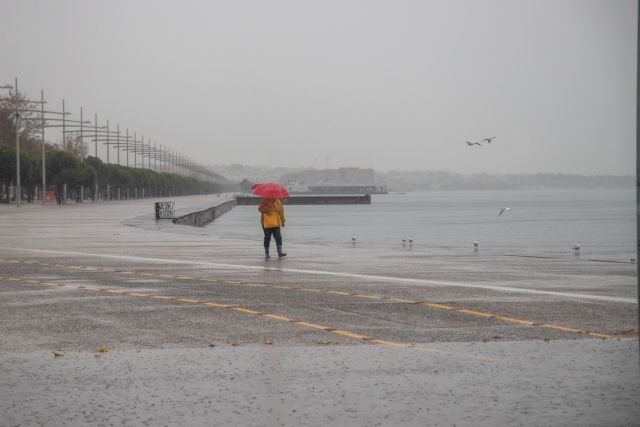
{"points": [[503, 210], [472, 143], [576, 247], [489, 140]]}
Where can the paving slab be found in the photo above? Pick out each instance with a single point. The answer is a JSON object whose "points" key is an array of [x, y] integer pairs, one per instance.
{"points": [[202, 330]]}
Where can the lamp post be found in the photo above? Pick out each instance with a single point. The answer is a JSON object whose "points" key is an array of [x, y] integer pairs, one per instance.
{"points": [[9, 87], [44, 177], [18, 193]]}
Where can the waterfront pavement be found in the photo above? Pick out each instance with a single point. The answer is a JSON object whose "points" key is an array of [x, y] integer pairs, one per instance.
{"points": [[158, 324]]}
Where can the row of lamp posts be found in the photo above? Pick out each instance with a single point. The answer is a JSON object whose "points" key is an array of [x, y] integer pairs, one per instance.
{"points": [[172, 161]]}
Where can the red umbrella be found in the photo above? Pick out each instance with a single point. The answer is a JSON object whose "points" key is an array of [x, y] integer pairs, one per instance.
{"points": [[270, 189]]}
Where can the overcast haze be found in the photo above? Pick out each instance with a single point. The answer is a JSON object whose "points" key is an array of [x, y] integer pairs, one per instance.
{"points": [[389, 84]]}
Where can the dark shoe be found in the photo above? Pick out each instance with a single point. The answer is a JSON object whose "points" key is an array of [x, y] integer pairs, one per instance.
{"points": [[266, 253], [280, 253]]}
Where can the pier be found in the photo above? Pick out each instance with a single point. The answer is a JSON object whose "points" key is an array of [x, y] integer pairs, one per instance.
{"points": [[326, 199]]}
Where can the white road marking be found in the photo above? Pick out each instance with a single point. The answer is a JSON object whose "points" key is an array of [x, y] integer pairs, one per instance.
{"points": [[370, 277]]}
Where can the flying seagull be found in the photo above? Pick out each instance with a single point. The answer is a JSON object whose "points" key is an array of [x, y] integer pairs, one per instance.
{"points": [[489, 140], [503, 210], [472, 143]]}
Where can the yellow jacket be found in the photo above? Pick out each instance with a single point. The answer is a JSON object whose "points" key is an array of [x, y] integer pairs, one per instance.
{"points": [[272, 213]]}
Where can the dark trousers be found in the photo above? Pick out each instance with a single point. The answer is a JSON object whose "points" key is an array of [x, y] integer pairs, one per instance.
{"points": [[276, 234]]}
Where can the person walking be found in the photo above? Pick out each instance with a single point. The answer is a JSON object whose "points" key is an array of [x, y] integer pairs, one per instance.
{"points": [[272, 218]]}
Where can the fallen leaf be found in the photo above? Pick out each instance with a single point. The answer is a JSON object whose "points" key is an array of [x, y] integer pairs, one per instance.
{"points": [[102, 349], [58, 353]]}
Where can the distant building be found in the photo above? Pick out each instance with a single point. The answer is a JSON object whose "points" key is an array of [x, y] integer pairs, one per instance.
{"points": [[333, 181], [339, 176]]}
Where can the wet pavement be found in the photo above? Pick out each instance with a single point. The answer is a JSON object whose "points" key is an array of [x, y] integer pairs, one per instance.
{"points": [[200, 330]]}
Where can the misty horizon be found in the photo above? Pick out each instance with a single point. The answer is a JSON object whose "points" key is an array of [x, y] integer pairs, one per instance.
{"points": [[392, 86], [301, 168]]}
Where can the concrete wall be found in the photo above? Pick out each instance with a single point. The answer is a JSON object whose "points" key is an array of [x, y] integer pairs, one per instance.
{"points": [[204, 217], [312, 200]]}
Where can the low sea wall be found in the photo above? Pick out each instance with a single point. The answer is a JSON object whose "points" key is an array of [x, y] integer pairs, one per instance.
{"points": [[364, 199], [204, 217]]}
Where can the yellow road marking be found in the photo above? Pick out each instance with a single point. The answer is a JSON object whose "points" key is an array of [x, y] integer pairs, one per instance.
{"points": [[215, 304], [342, 293], [511, 319], [400, 300], [245, 310], [436, 305], [477, 313], [278, 317], [311, 325], [194, 301], [349, 334]]}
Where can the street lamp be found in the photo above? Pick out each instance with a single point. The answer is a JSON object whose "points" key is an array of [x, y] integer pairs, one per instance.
{"points": [[10, 87]]}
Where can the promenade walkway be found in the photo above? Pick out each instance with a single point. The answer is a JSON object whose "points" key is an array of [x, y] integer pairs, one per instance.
{"points": [[200, 330]]}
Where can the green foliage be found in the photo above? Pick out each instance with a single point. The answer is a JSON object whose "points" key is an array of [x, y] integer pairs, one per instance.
{"points": [[63, 167], [116, 176], [30, 171]]}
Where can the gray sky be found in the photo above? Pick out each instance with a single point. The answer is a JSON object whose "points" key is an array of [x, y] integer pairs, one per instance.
{"points": [[393, 84]]}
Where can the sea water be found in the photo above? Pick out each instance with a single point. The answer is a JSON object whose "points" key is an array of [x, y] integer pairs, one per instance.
{"points": [[540, 223]]}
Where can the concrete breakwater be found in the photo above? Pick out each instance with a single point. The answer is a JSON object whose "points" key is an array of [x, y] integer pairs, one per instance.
{"points": [[204, 217], [312, 200]]}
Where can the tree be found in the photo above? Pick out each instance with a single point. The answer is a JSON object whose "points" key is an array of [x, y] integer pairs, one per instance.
{"points": [[29, 171], [29, 129], [75, 145]]}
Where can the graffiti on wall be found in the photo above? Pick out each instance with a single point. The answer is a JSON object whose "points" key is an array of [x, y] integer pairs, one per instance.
{"points": [[165, 210]]}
